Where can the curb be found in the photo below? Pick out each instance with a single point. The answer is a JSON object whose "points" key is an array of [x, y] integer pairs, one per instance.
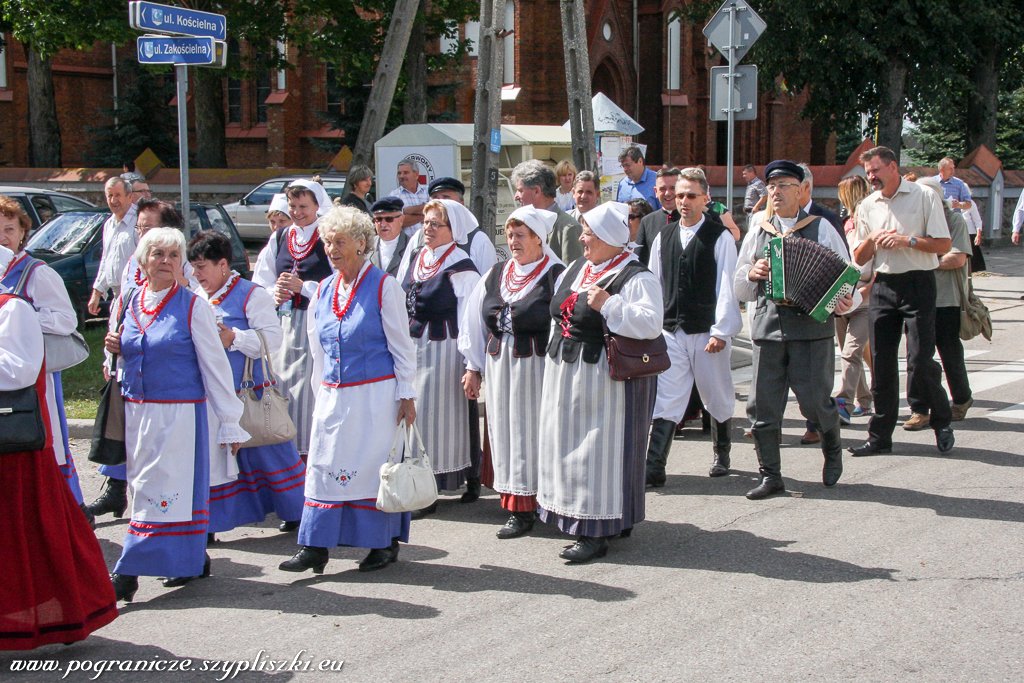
{"points": [[80, 429]]}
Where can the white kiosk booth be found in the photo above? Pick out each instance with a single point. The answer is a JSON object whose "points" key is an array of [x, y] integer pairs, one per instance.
{"points": [[614, 130]]}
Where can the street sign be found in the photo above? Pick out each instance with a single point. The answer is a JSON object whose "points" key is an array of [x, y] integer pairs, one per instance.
{"points": [[748, 28], [149, 16], [744, 100], [181, 51]]}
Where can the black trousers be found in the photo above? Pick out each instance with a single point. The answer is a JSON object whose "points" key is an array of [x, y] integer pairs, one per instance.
{"points": [[951, 351], [977, 258], [898, 302]]}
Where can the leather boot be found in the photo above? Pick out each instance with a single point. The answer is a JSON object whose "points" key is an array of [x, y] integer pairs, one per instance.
{"points": [[766, 443], [113, 499], [721, 436], [309, 557], [832, 449], [176, 581], [662, 433], [585, 548], [380, 557], [89, 517], [472, 493], [125, 586], [518, 524]]}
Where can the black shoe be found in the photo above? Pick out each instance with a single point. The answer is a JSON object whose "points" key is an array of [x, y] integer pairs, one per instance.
{"points": [[309, 557], [472, 493], [944, 440], [89, 517], [517, 525], [429, 510], [125, 586], [870, 448], [211, 538], [585, 549], [380, 557], [626, 533], [654, 480], [182, 580], [721, 434], [768, 486], [114, 499], [287, 526], [832, 449]]}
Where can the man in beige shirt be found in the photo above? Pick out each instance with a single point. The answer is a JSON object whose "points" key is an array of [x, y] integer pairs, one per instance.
{"points": [[902, 231]]}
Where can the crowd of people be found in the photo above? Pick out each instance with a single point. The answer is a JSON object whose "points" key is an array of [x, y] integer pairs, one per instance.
{"points": [[369, 315]]}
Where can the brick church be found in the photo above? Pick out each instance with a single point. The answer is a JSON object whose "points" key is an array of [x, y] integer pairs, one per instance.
{"points": [[654, 68]]}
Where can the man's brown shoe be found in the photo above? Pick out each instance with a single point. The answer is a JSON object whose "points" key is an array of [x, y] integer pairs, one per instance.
{"points": [[917, 422], [960, 410], [810, 437]]}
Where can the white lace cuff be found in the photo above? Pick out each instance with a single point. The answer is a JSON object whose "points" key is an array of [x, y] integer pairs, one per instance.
{"points": [[404, 390], [230, 432]]}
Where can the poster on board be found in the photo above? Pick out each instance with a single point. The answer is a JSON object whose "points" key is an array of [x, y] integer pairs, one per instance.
{"points": [[433, 162]]}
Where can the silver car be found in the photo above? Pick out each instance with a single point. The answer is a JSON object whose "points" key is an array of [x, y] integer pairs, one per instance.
{"points": [[250, 212], [42, 205]]}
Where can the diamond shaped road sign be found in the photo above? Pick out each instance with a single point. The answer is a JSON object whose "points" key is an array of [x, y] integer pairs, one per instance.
{"points": [[748, 28]]}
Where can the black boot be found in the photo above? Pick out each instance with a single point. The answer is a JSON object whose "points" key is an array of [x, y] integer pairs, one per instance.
{"points": [[721, 435], [585, 548], [113, 499], [472, 490], [380, 557], [176, 581], [662, 433], [125, 586], [423, 512], [309, 557], [518, 524], [832, 449], [89, 517], [766, 443], [288, 526]]}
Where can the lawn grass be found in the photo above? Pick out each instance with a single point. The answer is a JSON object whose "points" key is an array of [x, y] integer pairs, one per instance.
{"points": [[82, 383]]}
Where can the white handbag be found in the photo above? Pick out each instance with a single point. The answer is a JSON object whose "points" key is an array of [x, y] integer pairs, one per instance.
{"points": [[266, 419], [410, 484]]}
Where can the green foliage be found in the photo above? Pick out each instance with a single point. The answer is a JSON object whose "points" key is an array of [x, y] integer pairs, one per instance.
{"points": [[143, 118], [941, 131], [49, 27]]}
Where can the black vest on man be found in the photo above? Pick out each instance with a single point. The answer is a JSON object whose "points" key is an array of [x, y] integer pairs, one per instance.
{"points": [[688, 278]]}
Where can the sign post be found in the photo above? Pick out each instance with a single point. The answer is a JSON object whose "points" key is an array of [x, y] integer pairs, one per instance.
{"points": [[733, 29], [202, 45]]}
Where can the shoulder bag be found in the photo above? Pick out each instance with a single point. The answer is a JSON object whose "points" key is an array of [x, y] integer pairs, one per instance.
{"points": [[21, 417], [635, 358], [108, 439], [975, 318], [265, 418], [410, 484]]}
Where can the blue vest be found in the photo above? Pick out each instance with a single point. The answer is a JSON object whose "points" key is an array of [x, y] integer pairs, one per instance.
{"points": [[14, 275], [355, 348], [160, 362], [232, 307]]}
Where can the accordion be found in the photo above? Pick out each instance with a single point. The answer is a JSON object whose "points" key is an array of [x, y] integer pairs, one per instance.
{"points": [[807, 275]]}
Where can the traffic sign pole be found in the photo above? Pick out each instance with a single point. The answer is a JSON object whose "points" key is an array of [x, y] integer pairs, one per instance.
{"points": [[731, 113], [181, 71]]}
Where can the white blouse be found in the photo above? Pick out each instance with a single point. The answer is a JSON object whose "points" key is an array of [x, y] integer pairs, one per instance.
{"points": [[261, 313], [50, 298], [266, 273], [21, 346]]}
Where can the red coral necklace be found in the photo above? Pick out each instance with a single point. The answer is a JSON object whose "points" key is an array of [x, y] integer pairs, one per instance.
{"points": [[156, 311], [340, 312], [516, 283], [427, 272]]}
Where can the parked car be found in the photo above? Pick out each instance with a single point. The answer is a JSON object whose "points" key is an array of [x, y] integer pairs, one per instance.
{"points": [[250, 212], [42, 205], [72, 244]]}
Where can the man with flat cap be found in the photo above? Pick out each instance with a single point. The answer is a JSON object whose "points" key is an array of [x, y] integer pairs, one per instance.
{"points": [[391, 241], [478, 243], [791, 350]]}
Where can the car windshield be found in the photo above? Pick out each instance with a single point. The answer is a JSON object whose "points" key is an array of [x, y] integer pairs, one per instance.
{"points": [[68, 233]]}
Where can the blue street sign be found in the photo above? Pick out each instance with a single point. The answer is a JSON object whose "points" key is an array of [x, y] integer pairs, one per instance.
{"points": [[149, 16], [495, 140], [168, 50]]}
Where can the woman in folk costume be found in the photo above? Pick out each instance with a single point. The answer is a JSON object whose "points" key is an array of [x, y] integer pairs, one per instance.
{"points": [[172, 361], [593, 429], [295, 264], [364, 369], [263, 479], [504, 336], [438, 280], [56, 588], [42, 287]]}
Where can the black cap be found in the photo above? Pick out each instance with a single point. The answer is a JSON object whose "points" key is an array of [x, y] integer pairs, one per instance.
{"points": [[387, 204], [782, 167], [446, 184]]}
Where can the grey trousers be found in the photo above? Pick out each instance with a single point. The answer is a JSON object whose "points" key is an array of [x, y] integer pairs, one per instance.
{"points": [[853, 332], [807, 367]]}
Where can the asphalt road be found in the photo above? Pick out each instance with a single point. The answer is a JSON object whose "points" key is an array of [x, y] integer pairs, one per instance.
{"points": [[910, 569]]}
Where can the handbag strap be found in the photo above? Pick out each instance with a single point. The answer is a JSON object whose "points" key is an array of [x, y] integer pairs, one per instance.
{"points": [[268, 365], [400, 431], [26, 272], [126, 301]]}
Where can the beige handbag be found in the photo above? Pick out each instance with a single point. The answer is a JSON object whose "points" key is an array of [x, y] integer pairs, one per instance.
{"points": [[266, 419], [410, 484]]}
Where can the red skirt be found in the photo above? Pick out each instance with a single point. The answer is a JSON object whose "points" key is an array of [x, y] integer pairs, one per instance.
{"points": [[55, 587]]}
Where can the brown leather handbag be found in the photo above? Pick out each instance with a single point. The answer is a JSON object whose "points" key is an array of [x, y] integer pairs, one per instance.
{"points": [[634, 358]]}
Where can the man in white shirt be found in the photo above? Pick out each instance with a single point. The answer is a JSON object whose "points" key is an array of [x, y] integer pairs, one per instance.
{"points": [[119, 241], [412, 194]]}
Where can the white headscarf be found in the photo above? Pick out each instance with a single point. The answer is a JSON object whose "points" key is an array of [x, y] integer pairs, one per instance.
{"points": [[610, 222], [279, 202], [541, 222], [461, 219], [323, 200]]}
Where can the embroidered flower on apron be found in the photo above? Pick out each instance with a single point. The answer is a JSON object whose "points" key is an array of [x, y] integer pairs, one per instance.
{"points": [[164, 504], [343, 477]]}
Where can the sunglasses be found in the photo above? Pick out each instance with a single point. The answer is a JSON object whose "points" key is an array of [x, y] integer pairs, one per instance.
{"points": [[385, 219], [687, 195], [634, 216]]}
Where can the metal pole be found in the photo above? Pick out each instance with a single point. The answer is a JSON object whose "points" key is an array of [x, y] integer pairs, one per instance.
{"points": [[490, 67], [731, 113], [182, 77]]}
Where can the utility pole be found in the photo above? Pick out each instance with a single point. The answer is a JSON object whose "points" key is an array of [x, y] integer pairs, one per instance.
{"points": [[490, 67], [385, 81], [577, 83]]}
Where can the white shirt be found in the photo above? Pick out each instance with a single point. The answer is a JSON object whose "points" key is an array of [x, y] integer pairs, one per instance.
{"points": [[266, 273], [1018, 214], [387, 250], [49, 296], [119, 242], [417, 198], [261, 313], [564, 200], [728, 320], [21, 346], [973, 219]]}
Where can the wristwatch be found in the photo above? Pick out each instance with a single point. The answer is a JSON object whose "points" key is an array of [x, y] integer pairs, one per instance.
{"points": [[913, 242]]}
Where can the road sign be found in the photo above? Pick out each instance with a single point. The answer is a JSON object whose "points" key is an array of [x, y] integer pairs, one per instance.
{"points": [[744, 100], [182, 51], [748, 28], [149, 16]]}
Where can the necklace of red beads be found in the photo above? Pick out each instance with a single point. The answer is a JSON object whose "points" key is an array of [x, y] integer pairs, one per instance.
{"points": [[298, 253], [427, 272], [232, 281], [590, 277], [515, 283], [138, 276], [156, 311], [338, 311]]}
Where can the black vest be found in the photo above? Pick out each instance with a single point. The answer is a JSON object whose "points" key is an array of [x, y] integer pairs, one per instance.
{"points": [[315, 267], [527, 320], [432, 303], [688, 278], [586, 326]]}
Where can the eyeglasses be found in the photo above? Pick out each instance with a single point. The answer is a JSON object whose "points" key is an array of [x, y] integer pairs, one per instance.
{"points": [[385, 219], [434, 225], [777, 186], [688, 195], [634, 216]]}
